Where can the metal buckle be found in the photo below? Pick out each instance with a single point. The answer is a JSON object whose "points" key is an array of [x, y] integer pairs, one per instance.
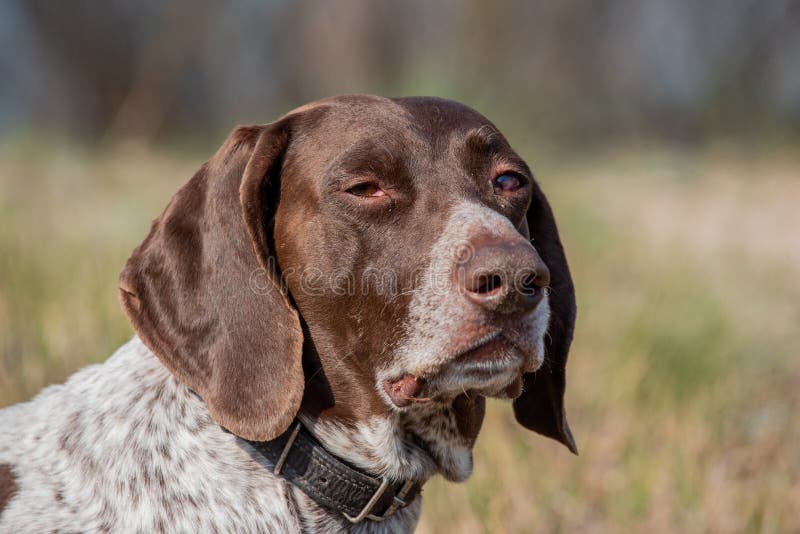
{"points": [[286, 449], [397, 503]]}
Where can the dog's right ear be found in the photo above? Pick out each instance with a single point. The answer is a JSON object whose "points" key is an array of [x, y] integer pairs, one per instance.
{"points": [[541, 406], [189, 289]]}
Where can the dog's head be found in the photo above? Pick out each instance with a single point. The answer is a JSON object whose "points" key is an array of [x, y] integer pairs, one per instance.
{"points": [[358, 256]]}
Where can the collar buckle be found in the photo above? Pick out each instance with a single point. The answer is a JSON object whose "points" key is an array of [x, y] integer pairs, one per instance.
{"points": [[397, 503]]}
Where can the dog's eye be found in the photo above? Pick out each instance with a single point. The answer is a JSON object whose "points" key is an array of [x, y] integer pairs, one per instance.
{"points": [[367, 189], [507, 182]]}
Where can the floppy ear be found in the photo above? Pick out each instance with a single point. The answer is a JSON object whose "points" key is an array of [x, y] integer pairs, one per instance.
{"points": [[541, 406], [188, 289]]}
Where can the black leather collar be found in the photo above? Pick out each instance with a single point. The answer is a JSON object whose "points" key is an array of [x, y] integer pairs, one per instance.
{"points": [[333, 484]]}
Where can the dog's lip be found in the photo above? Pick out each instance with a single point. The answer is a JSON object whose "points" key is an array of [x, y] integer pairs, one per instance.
{"points": [[477, 345], [406, 388], [487, 350], [484, 351], [482, 348]]}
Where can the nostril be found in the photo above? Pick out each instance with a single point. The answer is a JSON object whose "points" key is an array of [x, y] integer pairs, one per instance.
{"points": [[488, 284]]}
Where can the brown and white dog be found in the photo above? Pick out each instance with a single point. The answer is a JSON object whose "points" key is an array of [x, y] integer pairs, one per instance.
{"points": [[372, 267]]}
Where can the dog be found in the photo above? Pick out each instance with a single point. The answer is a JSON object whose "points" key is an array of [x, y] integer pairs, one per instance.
{"points": [[320, 313]]}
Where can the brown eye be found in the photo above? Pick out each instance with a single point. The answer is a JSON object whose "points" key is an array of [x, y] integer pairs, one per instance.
{"points": [[367, 189], [507, 182]]}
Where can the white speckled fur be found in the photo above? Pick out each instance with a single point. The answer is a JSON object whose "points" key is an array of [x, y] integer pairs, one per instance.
{"points": [[124, 447]]}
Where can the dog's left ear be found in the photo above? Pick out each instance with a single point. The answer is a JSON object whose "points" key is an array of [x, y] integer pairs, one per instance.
{"points": [[203, 290], [541, 406]]}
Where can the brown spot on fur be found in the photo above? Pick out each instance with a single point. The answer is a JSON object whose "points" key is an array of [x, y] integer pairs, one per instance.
{"points": [[163, 450], [8, 485], [161, 479]]}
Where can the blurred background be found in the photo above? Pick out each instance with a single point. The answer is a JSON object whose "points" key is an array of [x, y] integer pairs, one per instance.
{"points": [[666, 134]]}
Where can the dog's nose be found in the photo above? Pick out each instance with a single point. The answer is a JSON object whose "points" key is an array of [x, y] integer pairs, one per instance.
{"points": [[504, 276]]}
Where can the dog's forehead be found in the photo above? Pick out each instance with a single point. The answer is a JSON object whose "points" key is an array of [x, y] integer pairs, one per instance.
{"points": [[349, 117], [441, 115]]}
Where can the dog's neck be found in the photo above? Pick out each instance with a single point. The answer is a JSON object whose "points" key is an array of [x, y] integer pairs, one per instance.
{"points": [[342, 408], [352, 423], [411, 445]]}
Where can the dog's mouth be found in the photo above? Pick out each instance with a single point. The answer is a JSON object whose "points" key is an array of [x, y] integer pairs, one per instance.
{"points": [[491, 365]]}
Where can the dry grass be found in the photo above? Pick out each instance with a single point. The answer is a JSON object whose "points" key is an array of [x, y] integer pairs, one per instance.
{"points": [[683, 383]]}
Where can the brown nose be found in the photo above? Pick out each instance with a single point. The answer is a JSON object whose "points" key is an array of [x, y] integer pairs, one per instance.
{"points": [[504, 276]]}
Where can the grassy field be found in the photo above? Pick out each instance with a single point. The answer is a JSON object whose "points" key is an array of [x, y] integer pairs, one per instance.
{"points": [[684, 383]]}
